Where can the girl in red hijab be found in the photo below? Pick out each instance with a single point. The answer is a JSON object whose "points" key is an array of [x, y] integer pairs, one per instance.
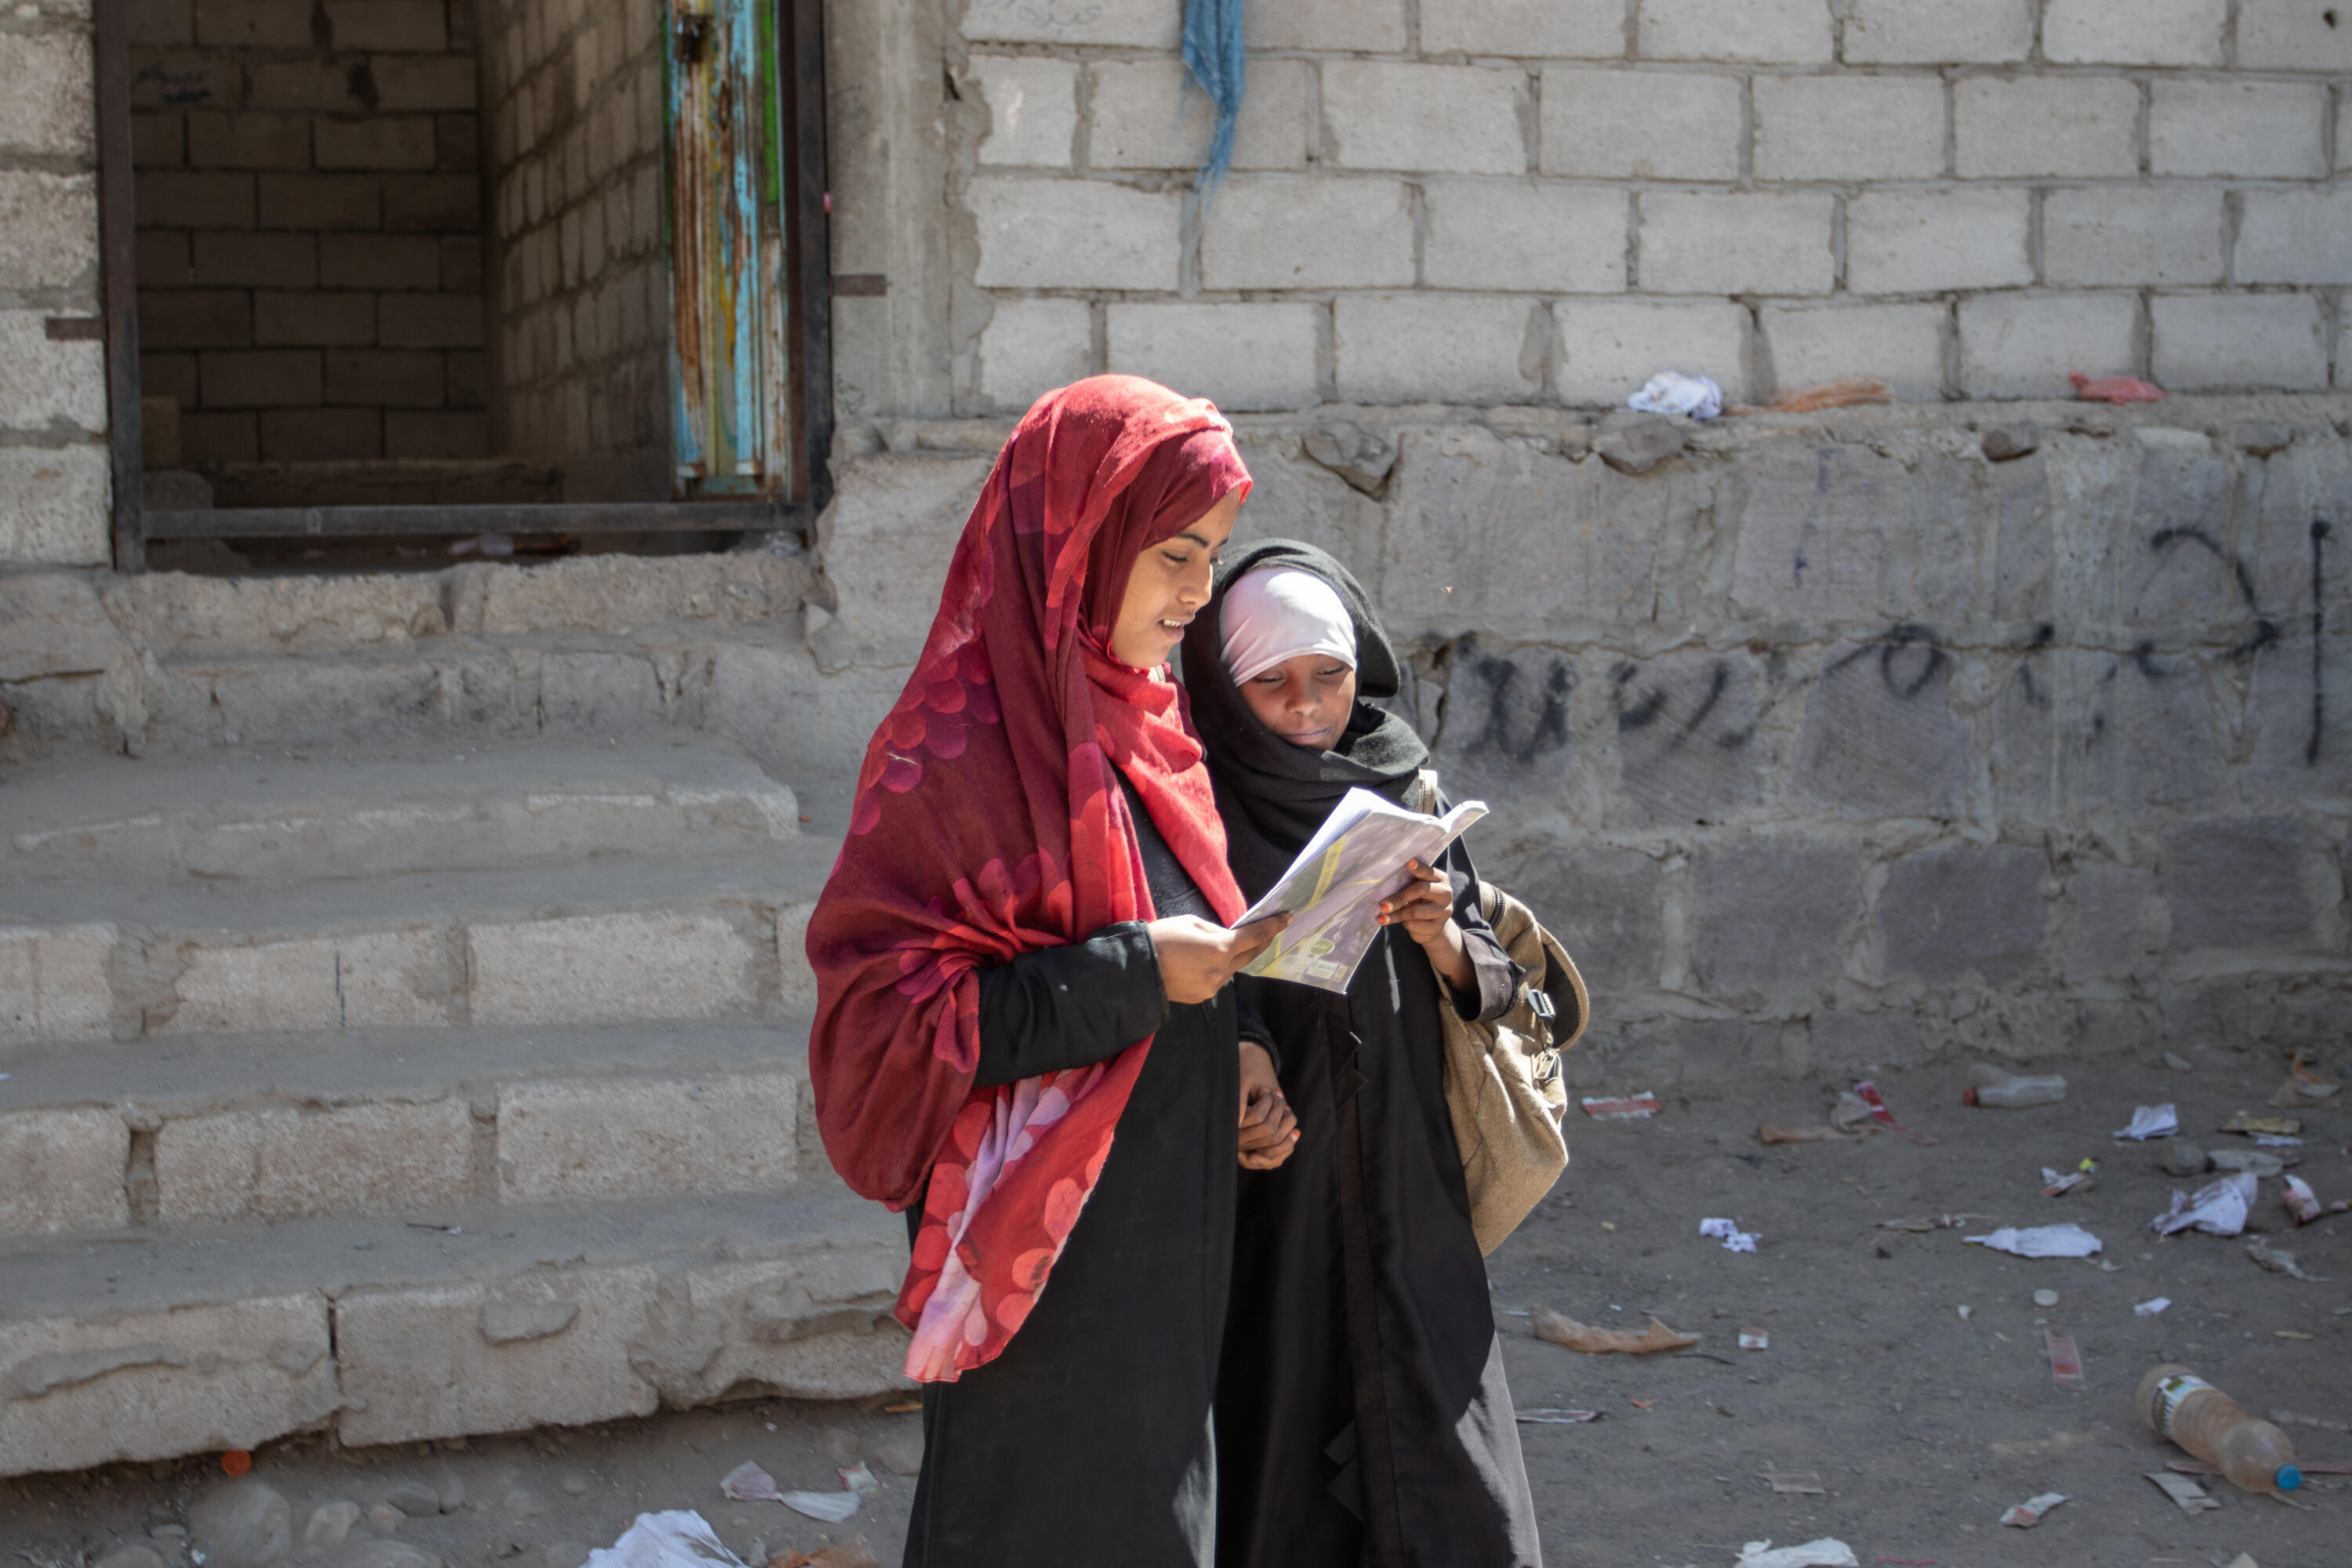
{"points": [[1025, 1038]]}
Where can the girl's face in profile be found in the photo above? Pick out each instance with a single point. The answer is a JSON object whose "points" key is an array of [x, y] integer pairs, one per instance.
{"points": [[1305, 699]]}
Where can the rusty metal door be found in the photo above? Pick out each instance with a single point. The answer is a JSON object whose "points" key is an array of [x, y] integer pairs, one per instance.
{"points": [[730, 300]]}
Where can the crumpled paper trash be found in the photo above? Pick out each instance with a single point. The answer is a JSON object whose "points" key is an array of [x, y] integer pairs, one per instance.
{"points": [[2039, 1241], [2219, 1208], [2150, 1121], [1823, 1553], [1734, 1239], [1671, 392], [679, 1538]]}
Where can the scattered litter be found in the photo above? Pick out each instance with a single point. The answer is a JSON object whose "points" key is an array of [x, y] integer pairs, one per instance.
{"points": [[2151, 1121], [1558, 1417], [2065, 1361], [679, 1538], [1964, 1312], [1823, 1553], [2045, 1298], [1831, 394], [2057, 1186], [747, 1482], [1868, 1094], [2192, 1498], [1671, 392], [1639, 1403], [1851, 1115], [2304, 1204], [2113, 389], [2247, 1121], [2218, 1209], [2309, 1466], [1563, 1330], [2290, 1334], [1808, 1482], [2039, 1241], [2151, 1307], [236, 1462], [2302, 1086], [858, 1479], [1923, 1223], [2278, 1260], [1755, 1339], [850, 1554], [2258, 1162], [1734, 1239], [1633, 1108], [834, 1507], [2177, 1064], [1988, 1085], [2273, 1141], [2031, 1511], [1769, 1133]]}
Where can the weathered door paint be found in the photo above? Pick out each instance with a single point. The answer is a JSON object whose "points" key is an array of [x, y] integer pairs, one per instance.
{"points": [[724, 228]]}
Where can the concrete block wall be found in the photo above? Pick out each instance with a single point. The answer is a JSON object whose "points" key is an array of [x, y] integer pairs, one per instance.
{"points": [[1512, 202], [55, 485], [573, 120], [309, 213]]}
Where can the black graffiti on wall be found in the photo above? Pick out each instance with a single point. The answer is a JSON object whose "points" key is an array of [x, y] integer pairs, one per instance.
{"points": [[1509, 707]]}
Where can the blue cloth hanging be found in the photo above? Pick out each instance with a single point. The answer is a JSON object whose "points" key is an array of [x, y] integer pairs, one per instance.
{"points": [[1213, 53]]}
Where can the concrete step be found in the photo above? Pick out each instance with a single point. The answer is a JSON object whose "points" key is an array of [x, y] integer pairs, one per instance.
{"points": [[88, 953], [285, 818], [195, 1129], [145, 1345]]}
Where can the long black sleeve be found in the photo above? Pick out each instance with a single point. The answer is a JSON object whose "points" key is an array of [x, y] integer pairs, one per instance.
{"points": [[1498, 975], [1070, 1006]]}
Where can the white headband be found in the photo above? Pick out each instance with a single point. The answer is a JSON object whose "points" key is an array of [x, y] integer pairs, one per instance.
{"points": [[1280, 612]]}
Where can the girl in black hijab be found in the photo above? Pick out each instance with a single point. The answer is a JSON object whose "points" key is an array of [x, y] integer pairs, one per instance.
{"points": [[1362, 1415]]}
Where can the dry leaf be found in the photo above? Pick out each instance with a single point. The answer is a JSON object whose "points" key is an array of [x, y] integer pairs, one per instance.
{"points": [[1562, 1330], [1769, 1133]]}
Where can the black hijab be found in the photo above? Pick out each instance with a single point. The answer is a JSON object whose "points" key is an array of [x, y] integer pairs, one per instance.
{"points": [[1272, 794]]}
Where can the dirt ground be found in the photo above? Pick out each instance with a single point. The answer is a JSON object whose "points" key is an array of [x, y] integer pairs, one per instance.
{"points": [[1921, 1426]]}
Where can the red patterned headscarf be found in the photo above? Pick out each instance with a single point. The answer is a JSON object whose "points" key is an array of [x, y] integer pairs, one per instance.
{"points": [[987, 824]]}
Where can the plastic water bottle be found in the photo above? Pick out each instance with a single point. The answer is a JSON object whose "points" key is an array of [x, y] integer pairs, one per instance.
{"points": [[2192, 1412], [1988, 1085]]}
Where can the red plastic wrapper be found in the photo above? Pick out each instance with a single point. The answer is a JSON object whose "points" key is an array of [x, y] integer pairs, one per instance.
{"points": [[1633, 1108], [1868, 1094]]}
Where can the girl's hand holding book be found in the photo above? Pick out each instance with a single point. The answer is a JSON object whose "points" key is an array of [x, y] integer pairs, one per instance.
{"points": [[1426, 909]]}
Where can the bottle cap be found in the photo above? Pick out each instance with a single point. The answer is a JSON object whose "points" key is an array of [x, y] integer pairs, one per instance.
{"points": [[2289, 1478]]}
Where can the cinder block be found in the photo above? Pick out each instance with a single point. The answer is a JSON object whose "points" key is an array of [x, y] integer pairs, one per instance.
{"points": [[283, 1163], [159, 140], [429, 321], [1074, 234], [387, 26], [1964, 913], [1743, 243], [247, 259], [165, 259], [1518, 235], [379, 261], [1605, 349], [1902, 345], [421, 81], [1815, 534], [384, 378], [322, 435], [1438, 348], [1268, 232], [54, 506], [1241, 357], [1880, 738], [2292, 36], [1464, 119], [254, 24], [1849, 128], [410, 434], [1683, 720], [321, 202], [169, 375], [611, 968], [2212, 343], [313, 318], [195, 319], [2238, 884], [449, 204], [2132, 233], [157, 1385], [2134, 32], [172, 200], [1793, 32], [62, 1170], [47, 110], [461, 264], [48, 231], [1032, 109], [1360, 27], [1148, 115], [44, 382], [612, 1138], [223, 140], [263, 378], [184, 79], [457, 142], [1136, 24], [2019, 345], [390, 977], [159, 23], [1647, 125], [1916, 242], [378, 142], [1031, 346], [1529, 29], [1938, 32], [2259, 129], [219, 438], [2295, 237], [1771, 915], [2011, 127]]}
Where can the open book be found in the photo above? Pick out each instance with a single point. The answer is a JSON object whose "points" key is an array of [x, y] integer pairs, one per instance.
{"points": [[1335, 887]]}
